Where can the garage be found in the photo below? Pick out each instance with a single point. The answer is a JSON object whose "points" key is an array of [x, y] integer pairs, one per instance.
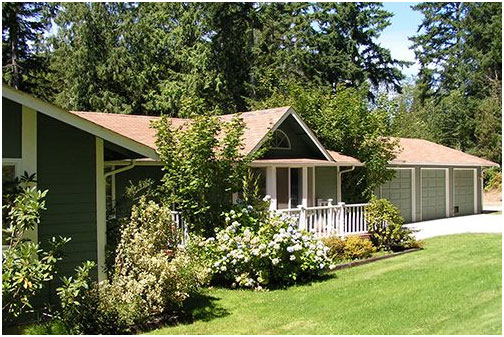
{"points": [[464, 190], [433, 189], [399, 191]]}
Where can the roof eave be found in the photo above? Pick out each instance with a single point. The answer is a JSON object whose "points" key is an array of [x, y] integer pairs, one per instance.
{"points": [[77, 121]]}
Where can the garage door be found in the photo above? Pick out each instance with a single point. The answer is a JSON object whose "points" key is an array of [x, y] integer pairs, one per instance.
{"points": [[463, 193], [433, 194], [398, 191]]}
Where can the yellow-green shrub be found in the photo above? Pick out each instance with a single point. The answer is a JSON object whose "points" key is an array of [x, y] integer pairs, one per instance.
{"points": [[351, 248]]}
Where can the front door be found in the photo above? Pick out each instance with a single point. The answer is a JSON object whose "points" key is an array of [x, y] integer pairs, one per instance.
{"points": [[290, 187]]}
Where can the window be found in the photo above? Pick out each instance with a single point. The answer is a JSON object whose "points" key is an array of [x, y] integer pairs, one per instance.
{"points": [[280, 141], [8, 172]]}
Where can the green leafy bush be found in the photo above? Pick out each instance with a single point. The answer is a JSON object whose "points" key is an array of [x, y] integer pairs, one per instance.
{"points": [[79, 300], [351, 248], [270, 253], [25, 266], [152, 274], [385, 226]]}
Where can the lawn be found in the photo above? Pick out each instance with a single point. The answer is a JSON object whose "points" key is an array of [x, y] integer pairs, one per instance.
{"points": [[453, 286]]}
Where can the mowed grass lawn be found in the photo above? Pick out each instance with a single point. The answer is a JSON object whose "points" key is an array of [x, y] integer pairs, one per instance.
{"points": [[453, 286]]}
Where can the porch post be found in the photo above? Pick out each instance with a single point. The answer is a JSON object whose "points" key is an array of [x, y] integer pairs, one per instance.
{"points": [[304, 176], [271, 186], [338, 185]]}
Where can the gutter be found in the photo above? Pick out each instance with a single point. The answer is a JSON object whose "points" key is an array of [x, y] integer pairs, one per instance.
{"points": [[122, 169]]}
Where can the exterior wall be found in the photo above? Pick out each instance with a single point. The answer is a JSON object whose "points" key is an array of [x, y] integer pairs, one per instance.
{"points": [[11, 129], [451, 197], [301, 145], [66, 167], [326, 179], [137, 173]]}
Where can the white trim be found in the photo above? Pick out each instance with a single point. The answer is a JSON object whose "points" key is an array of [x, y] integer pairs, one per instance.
{"points": [[101, 212], [442, 165], [29, 151], [447, 190], [413, 194], [314, 181], [475, 186], [304, 182], [78, 122], [289, 147], [138, 162], [289, 201], [271, 186], [113, 189], [294, 164], [305, 128]]}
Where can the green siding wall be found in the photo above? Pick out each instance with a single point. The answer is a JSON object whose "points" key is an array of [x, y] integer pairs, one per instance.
{"points": [[301, 144], [398, 191], [11, 129], [133, 176], [66, 166], [326, 183]]}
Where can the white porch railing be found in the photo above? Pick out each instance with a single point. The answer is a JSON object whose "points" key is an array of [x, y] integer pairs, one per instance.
{"points": [[331, 220]]}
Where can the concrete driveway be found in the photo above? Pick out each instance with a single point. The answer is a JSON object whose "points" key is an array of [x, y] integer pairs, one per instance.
{"points": [[492, 222]]}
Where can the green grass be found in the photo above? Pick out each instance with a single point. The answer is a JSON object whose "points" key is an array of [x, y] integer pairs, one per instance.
{"points": [[453, 286]]}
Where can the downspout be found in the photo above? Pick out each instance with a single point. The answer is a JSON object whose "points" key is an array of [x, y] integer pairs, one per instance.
{"points": [[338, 196], [122, 169]]}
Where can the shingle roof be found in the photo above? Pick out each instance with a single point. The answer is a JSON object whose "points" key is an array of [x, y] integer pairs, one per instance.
{"points": [[257, 124], [344, 159], [414, 151]]}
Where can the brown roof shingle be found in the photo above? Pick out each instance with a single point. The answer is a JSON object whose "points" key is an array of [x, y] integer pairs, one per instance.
{"points": [[414, 151], [257, 124]]}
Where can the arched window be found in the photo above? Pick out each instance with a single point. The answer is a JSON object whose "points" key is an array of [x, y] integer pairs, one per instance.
{"points": [[280, 141]]}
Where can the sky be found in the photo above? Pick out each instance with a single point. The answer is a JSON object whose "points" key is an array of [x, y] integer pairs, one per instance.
{"points": [[404, 23]]}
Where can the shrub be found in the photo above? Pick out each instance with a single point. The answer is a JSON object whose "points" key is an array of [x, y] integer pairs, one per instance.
{"points": [[336, 247], [351, 248], [271, 253], [385, 226], [79, 301], [25, 267], [152, 274], [358, 248]]}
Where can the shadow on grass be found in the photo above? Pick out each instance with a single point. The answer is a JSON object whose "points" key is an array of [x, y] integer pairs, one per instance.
{"points": [[203, 308]]}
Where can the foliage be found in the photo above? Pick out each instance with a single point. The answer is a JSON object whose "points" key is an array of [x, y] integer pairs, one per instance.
{"points": [[268, 253], [203, 166], [385, 226], [439, 297], [344, 122], [459, 48], [152, 274], [25, 267], [493, 179], [78, 300], [350, 248], [24, 64]]}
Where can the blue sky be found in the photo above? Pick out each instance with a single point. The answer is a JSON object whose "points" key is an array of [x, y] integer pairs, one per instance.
{"points": [[404, 23]]}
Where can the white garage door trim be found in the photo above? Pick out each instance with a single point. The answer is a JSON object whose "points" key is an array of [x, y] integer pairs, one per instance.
{"points": [[475, 185], [447, 189]]}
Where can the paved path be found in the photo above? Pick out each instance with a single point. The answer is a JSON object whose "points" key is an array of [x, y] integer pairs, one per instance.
{"points": [[479, 223]]}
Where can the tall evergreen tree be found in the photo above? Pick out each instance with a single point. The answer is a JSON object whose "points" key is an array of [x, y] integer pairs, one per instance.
{"points": [[24, 25]]}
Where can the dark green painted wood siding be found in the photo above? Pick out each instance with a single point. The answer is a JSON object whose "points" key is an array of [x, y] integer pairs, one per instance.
{"points": [[66, 166], [133, 176], [11, 129], [301, 144]]}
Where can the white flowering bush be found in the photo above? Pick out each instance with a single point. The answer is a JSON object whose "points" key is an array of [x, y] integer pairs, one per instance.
{"points": [[271, 253]]}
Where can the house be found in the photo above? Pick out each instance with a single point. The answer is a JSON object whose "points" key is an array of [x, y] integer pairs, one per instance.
{"points": [[75, 154]]}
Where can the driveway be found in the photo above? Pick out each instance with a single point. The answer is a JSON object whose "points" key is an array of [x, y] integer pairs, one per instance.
{"points": [[480, 223]]}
